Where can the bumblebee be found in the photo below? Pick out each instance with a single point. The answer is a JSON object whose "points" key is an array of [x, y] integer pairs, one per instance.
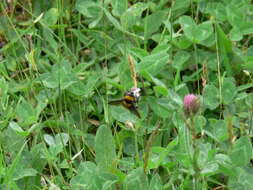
{"points": [[129, 101]]}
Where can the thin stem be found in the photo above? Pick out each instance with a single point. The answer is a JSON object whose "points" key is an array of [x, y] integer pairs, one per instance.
{"points": [[136, 146], [148, 146], [218, 63], [250, 124], [190, 127]]}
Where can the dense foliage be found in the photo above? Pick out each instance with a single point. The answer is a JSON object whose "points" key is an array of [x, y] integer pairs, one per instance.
{"points": [[63, 61]]}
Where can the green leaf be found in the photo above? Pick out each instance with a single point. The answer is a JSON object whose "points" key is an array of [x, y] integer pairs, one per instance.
{"points": [[155, 183], [216, 9], [219, 129], [180, 7], [51, 17], [105, 148], [187, 22], [154, 62], [206, 159], [88, 8], [126, 164], [16, 169], [225, 164], [37, 162], [84, 39], [129, 146], [162, 154], [59, 139], [196, 33], [210, 168], [122, 114], [136, 180], [211, 97], [243, 180], [182, 42], [235, 15], [244, 87], [61, 76], [228, 90], [25, 172], [85, 176], [49, 139], [248, 65], [42, 102], [247, 28], [133, 15], [4, 86], [204, 31], [11, 146], [26, 113], [180, 58], [18, 129], [91, 84], [153, 22], [161, 90], [175, 101], [92, 10], [52, 152], [225, 47], [243, 148], [113, 20], [89, 177], [52, 43], [235, 34], [40, 6], [80, 89], [159, 106], [62, 139], [119, 7], [138, 52], [200, 122]]}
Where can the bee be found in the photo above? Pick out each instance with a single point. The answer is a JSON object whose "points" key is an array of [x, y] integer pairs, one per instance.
{"points": [[129, 100]]}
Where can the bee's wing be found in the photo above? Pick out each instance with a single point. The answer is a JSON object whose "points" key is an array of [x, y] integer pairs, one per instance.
{"points": [[130, 107], [116, 102]]}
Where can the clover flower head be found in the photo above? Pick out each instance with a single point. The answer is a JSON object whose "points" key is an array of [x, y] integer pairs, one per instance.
{"points": [[191, 105]]}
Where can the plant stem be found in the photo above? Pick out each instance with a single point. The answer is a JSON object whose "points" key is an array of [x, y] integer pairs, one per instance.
{"points": [[194, 158], [148, 147]]}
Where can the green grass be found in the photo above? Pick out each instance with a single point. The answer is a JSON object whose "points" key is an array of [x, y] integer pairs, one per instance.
{"points": [[63, 61]]}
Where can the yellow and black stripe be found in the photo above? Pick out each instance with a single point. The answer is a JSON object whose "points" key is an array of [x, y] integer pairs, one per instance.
{"points": [[129, 102]]}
